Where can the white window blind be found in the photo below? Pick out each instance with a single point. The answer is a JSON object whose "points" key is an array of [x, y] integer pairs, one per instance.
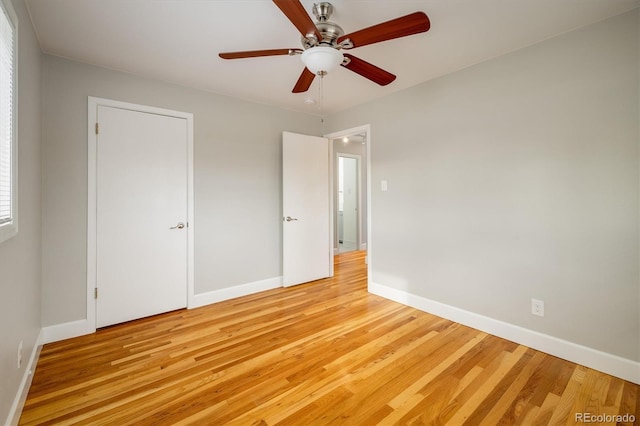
{"points": [[7, 116]]}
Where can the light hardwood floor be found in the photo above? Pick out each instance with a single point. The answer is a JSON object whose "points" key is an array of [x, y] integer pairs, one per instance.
{"points": [[326, 352]]}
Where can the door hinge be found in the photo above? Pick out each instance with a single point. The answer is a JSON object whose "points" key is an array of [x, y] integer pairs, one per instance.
{"points": [[97, 128], [95, 293]]}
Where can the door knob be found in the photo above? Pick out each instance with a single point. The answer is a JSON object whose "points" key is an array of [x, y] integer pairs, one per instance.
{"points": [[180, 225], [289, 218]]}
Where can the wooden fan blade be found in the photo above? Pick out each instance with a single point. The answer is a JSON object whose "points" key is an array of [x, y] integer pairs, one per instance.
{"points": [[294, 10], [415, 23], [367, 70], [256, 53], [304, 82]]}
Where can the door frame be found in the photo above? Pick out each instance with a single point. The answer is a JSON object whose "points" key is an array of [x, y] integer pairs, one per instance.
{"points": [[358, 159], [366, 129], [92, 138]]}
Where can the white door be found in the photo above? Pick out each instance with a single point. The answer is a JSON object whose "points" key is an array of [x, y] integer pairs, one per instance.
{"points": [[306, 209], [141, 194]]}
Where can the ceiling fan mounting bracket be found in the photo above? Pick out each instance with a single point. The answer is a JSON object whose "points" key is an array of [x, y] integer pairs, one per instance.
{"points": [[309, 40], [322, 11], [346, 44]]}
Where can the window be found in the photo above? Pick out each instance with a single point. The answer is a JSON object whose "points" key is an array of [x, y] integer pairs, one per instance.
{"points": [[8, 121]]}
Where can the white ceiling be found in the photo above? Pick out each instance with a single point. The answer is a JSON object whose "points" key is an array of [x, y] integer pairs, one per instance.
{"points": [[179, 41]]}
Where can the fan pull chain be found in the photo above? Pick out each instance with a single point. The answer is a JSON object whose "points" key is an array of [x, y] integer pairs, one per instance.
{"points": [[321, 90]]}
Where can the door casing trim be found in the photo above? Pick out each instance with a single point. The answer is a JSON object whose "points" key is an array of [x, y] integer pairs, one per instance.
{"points": [[366, 128]]}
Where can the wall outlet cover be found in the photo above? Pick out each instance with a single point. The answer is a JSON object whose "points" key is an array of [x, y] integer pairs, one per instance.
{"points": [[537, 307]]}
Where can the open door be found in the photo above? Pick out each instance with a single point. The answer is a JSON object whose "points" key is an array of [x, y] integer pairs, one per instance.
{"points": [[306, 209]]}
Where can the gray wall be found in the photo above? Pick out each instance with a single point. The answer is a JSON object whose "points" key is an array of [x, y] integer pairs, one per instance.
{"points": [[518, 178], [20, 255], [237, 174]]}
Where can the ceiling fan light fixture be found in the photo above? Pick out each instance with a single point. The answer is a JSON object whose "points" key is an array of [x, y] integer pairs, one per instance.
{"points": [[321, 59]]}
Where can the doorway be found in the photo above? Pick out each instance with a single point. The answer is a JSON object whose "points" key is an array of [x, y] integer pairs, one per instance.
{"points": [[353, 146], [348, 205]]}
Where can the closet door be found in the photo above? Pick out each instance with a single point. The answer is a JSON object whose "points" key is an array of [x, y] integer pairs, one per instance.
{"points": [[141, 217]]}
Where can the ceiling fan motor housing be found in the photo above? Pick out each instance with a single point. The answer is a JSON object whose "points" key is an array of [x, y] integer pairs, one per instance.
{"points": [[330, 31]]}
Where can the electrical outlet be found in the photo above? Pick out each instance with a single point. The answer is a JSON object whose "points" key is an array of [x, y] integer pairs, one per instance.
{"points": [[20, 354], [537, 307]]}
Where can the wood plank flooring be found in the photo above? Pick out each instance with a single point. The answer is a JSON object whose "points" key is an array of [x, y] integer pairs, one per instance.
{"points": [[321, 353]]}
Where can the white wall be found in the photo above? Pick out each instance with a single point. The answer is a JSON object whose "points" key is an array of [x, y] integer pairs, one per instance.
{"points": [[518, 178], [20, 255], [237, 177]]}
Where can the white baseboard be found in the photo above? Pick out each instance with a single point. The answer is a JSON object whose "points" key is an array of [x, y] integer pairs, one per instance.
{"points": [[363, 246], [77, 328], [66, 330], [25, 383], [215, 296], [608, 363]]}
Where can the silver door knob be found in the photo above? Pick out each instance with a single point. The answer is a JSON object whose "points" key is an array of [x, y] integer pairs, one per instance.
{"points": [[180, 225], [289, 218]]}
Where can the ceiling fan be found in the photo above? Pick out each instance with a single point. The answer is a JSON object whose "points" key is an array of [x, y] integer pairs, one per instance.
{"points": [[323, 42]]}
